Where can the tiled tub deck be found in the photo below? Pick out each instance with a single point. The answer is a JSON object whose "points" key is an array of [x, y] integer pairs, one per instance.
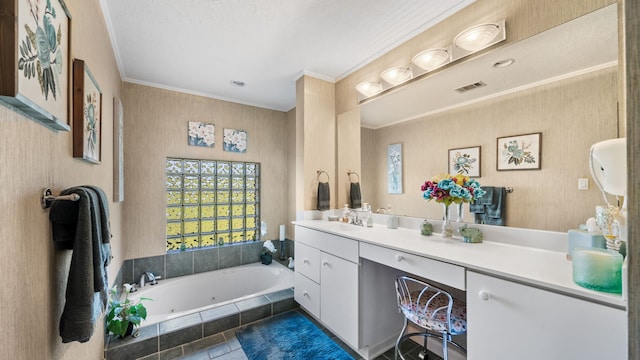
{"points": [[177, 337]]}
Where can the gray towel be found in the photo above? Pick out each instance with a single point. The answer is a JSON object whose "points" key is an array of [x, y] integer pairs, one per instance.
{"points": [[479, 206], [324, 199], [355, 196], [489, 209], [495, 214], [79, 226]]}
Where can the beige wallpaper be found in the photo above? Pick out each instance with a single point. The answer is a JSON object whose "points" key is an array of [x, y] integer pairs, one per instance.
{"points": [[156, 128], [33, 157], [571, 114]]}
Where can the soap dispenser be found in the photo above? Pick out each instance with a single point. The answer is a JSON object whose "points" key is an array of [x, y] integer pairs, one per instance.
{"points": [[345, 213], [392, 220]]}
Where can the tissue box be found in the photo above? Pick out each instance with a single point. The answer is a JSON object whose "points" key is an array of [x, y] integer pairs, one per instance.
{"points": [[585, 239]]}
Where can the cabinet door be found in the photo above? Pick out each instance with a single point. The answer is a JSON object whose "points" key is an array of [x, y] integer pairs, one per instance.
{"points": [[509, 321], [339, 297]]}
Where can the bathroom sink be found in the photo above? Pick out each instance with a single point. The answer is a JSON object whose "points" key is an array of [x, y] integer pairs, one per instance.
{"points": [[343, 227]]}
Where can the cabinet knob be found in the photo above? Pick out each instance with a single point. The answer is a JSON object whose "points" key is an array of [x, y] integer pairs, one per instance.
{"points": [[305, 294], [399, 257], [325, 263], [305, 260], [483, 295]]}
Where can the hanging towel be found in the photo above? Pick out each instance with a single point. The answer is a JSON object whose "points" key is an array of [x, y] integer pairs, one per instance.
{"points": [[324, 202], [489, 209], [83, 227], [478, 207], [355, 196], [494, 212]]}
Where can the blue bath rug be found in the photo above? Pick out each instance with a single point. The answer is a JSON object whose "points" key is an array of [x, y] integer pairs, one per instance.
{"points": [[289, 336]]}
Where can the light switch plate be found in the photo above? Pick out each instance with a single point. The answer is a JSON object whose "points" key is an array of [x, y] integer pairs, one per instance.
{"points": [[583, 184]]}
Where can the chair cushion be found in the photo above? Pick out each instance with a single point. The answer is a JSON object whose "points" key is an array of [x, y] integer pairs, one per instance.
{"points": [[417, 315]]}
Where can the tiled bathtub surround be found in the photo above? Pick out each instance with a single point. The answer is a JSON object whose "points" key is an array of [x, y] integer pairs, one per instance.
{"points": [[177, 337], [173, 338], [197, 261]]}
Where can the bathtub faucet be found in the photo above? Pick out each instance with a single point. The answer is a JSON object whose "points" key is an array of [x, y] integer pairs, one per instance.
{"points": [[148, 276]]}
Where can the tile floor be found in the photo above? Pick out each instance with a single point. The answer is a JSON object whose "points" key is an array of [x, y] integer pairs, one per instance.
{"points": [[230, 349]]}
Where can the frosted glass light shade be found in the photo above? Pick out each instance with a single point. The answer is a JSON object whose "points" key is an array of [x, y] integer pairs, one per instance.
{"points": [[477, 37], [396, 75], [431, 59], [369, 88]]}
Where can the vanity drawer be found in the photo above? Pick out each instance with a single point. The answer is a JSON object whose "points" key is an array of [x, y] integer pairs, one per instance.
{"points": [[308, 261], [332, 244], [307, 294], [444, 273]]}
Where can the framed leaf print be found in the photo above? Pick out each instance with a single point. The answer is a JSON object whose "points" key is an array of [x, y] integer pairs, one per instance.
{"points": [[465, 161], [519, 152], [34, 61], [87, 114]]}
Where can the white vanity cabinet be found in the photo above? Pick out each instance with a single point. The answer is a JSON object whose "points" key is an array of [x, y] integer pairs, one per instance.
{"points": [[507, 321], [326, 280]]}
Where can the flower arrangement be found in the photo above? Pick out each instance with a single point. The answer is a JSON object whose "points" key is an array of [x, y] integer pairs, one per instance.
{"points": [[124, 314], [268, 249], [449, 189]]}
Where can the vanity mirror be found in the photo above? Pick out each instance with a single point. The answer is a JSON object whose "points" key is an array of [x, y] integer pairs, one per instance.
{"points": [[562, 83]]}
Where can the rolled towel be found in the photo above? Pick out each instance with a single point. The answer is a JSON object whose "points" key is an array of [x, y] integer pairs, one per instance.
{"points": [[324, 202], [355, 195]]}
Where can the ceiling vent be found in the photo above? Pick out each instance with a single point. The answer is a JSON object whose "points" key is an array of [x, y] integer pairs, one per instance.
{"points": [[466, 88]]}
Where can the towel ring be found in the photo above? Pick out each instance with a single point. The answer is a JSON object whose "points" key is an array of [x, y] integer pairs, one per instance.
{"points": [[319, 173], [349, 173]]}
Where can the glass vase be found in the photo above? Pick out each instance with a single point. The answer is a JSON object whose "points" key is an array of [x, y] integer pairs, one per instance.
{"points": [[460, 208], [447, 227]]}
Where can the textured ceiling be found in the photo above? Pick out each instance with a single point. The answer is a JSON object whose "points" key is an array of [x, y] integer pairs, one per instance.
{"points": [[200, 46]]}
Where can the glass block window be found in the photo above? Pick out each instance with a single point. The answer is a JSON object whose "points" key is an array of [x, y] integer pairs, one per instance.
{"points": [[211, 203]]}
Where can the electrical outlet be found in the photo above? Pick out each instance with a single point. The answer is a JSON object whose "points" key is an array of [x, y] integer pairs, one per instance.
{"points": [[583, 184]]}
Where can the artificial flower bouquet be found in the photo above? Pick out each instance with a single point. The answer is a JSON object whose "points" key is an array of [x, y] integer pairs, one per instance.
{"points": [[448, 189]]}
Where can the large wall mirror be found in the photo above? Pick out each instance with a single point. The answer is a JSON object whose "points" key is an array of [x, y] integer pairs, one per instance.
{"points": [[562, 84]]}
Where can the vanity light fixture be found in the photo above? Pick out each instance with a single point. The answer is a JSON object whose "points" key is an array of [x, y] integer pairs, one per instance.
{"points": [[396, 75], [369, 88], [432, 59], [477, 37], [467, 42]]}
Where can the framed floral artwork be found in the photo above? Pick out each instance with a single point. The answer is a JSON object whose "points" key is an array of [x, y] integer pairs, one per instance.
{"points": [[394, 169], [201, 134], [34, 61], [519, 152], [235, 140], [87, 114], [465, 161]]}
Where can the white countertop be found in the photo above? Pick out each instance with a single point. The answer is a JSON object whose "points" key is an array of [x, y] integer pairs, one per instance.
{"points": [[541, 268]]}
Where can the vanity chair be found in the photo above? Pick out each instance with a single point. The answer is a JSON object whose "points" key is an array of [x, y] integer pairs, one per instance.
{"points": [[431, 309]]}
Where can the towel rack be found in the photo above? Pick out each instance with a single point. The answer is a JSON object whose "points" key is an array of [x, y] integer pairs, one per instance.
{"points": [[349, 173], [319, 173], [48, 197]]}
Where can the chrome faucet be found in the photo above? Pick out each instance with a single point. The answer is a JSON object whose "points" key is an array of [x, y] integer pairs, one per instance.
{"points": [[148, 276]]}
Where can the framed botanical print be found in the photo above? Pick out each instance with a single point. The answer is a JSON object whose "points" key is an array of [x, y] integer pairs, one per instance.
{"points": [[394, 169], [87, 114], [465, 161], [519, 152], [34, 60]]}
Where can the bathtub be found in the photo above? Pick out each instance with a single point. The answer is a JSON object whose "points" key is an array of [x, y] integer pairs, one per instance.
{"points": [[184, 295]]}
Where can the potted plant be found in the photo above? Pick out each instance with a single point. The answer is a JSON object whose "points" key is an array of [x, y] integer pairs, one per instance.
{"points": [[266, 256], [124, 314]]}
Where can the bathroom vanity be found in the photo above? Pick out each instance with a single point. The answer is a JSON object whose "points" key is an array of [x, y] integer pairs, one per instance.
{"points": [[521, 300]]}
